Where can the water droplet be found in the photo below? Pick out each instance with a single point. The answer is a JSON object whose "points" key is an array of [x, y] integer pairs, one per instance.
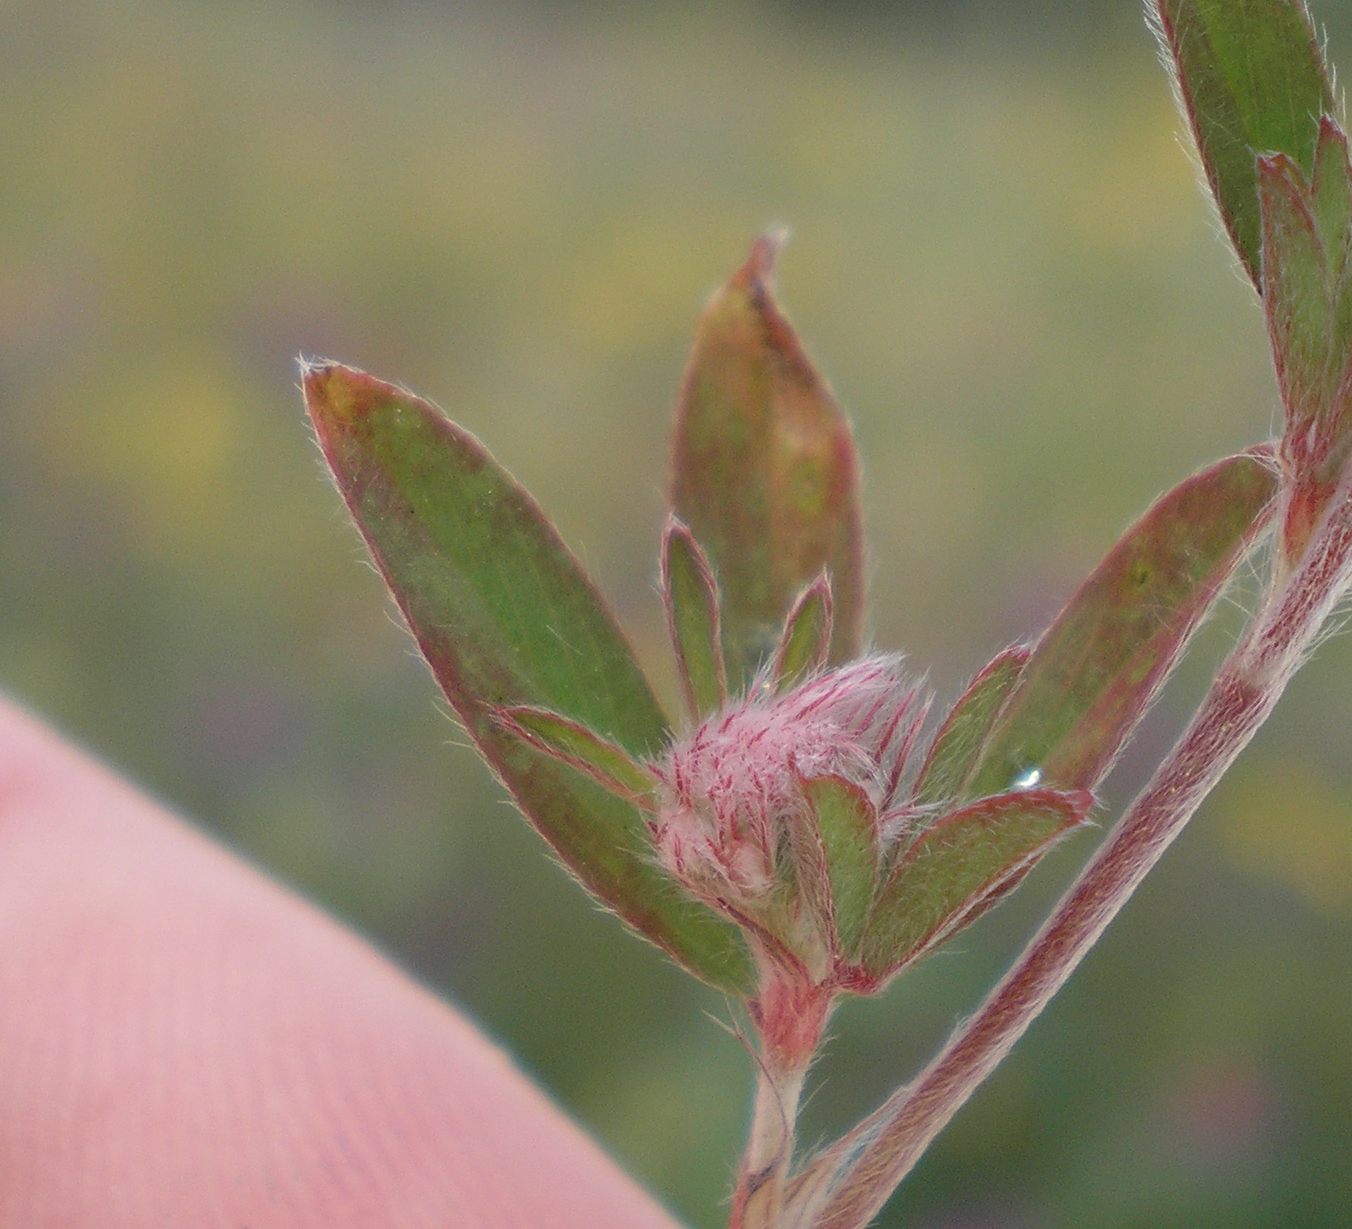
{"points": [[1026, 780]]}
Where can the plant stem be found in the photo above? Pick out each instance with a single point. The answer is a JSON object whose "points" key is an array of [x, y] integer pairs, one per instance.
{"points": [[759, 1199], [790, 1012], [850, 1181]]}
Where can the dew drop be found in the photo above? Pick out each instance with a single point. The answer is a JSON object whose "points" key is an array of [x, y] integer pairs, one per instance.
{"points": [[1027, 780]]}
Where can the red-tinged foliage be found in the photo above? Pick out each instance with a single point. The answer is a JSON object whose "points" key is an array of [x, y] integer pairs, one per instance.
{"points": [[764, 470], [505, 616]]}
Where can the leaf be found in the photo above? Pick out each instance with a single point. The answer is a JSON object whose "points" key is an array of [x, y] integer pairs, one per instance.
{"points": [[1308, 303], [764, 471], [691, 598], [1332, 194], [1305, 290], [607, 763], [959, 862], [1251, 79], [848, 826], [1096, 669], [959, 741], [805, 642], [1297, 293], [504, 617]]}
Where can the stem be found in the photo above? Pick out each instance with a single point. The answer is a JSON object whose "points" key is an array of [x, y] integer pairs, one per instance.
{"points": [[759, 1199], [790, 1013], [850, 1181]]}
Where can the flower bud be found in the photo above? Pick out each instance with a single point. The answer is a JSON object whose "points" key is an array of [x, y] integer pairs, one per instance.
{"points": [[731, 796]]}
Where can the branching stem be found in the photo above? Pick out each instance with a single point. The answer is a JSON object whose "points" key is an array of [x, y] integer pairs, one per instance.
{"points": [[845, 1186]]}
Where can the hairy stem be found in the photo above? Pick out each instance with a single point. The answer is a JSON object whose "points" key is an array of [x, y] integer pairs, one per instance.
{"points": [[850, 1181], [758, 1202], [790, 1013]]}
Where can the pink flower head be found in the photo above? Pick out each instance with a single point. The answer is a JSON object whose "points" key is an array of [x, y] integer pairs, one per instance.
{"points": [[731, 793]]}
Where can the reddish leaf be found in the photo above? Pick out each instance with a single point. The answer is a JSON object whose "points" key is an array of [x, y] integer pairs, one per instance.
{"points": [[764, 471], [1252, 79], [505, 616], [1096, 669], [607, 763], [691, 598], [847, 824], [805, 642], [959, 864], [960, 740]]}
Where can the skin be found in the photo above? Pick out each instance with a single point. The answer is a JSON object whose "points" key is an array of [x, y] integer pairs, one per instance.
{"points": [[182, 1042]]}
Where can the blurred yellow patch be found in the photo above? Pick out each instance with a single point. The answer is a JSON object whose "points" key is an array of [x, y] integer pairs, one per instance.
{"points": [[1294, 825], [161, 435]]}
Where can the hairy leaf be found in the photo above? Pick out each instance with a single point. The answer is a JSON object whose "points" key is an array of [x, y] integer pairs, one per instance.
{"points": [[504, 616], [1332, 193], [1298, 292], [1251, 79], [691, 598], [946, 874], [804, 644], [960, 739], [764, 471], [848, 825], [1096, 669], [605, 762]]}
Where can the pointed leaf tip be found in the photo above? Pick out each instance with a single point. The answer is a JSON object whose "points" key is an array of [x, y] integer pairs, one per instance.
{"points": [[1251, 79], [764, 471], [690, 595], [805, 642], [335, 394], [847, 825], [959, 866], [505, 616], [757, 272], [1096, 669], [961, 738], [607, 763]]}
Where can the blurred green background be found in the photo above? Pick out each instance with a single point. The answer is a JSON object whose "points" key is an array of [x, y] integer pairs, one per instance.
{"points": [[1001, 259]]}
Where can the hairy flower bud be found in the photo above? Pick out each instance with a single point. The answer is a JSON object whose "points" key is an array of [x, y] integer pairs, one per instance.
{"points": [[731, 794]]}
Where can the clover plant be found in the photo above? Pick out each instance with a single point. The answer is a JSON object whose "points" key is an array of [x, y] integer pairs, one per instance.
{"points": [[802, 830]]}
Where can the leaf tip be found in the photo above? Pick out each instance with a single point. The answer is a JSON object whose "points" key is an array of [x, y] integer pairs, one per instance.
{"points": [[1079, 802], [674, 530], [757, 273], [335, 393], [1277, 165], [1331, 130]]}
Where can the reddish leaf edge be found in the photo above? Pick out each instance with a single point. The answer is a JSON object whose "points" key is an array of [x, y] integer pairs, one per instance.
{"points": [[677, 530], [756, 278], [733, 974], [520, 720], [1074, 807], [783, 672]]}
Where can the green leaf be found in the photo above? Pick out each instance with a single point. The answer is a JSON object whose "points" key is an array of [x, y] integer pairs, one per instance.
{"points": [[1298, 293], [848, 826], [605, 762], [805, 643], [1332, 194], [505, 616], [764, 471], [691, 598], [956, 864], [959, 741], [1095, 670], [1251, 79]]}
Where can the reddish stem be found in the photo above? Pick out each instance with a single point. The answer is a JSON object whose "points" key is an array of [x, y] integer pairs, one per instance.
{"points": [[790, 1012], [850, 1181]]}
